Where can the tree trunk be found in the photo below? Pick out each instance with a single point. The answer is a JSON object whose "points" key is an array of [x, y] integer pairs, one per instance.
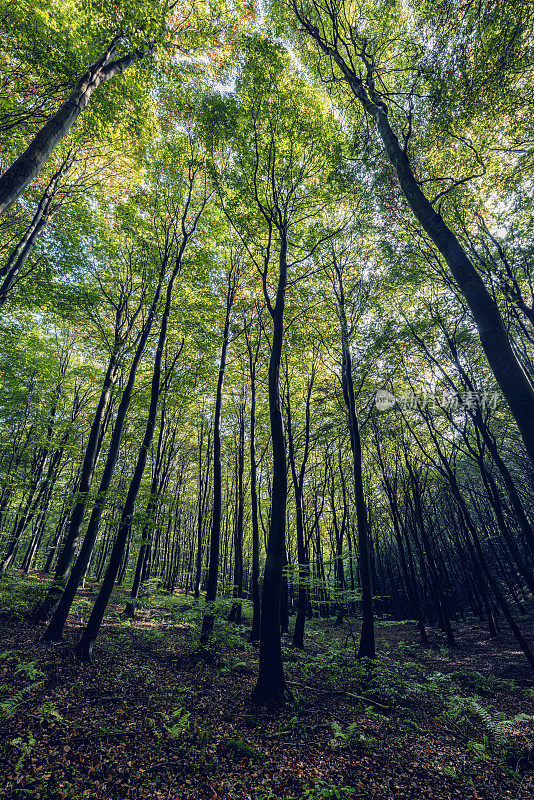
{"points": [[80, 493], [255, 578], [366, 647], [85, 646], [146, 535], [271, 684], [508, 372], [54, 632], [29, 164], [213, 569], [512, 380], [235, 613]]}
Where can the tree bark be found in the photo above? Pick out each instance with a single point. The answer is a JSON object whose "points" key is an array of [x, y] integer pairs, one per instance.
{"points": [[235, 613], [213, 569], [255, 577], [298, 489], [80, 493], [44, 212], [271, 684], [366, 648]]}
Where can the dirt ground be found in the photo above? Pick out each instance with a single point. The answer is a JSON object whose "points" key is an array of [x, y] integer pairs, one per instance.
{"points": [[153, 717]]}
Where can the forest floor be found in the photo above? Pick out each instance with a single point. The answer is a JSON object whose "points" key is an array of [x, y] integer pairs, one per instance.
{"points": [[154, 718]]}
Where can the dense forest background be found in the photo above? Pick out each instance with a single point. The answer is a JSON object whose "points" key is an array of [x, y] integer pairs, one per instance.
{"points": [[267, 356]]}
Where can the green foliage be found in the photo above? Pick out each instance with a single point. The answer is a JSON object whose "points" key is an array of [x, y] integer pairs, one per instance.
{"points": [[279, 146], [450, 772], [173, 725], [147, 640], [18, 597], [478, 683], [324, 790], [29, 670], [12, 699], [49, 712], [24, 744], [351, 736], [230, 666], [242, 749], [462, 710]]}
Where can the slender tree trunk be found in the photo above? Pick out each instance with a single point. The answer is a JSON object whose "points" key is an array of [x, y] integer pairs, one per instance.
{"points": [[298, 488], [80, 493], [366, 647], [213, 569], [146, 535], [20, 254], [255, 578], [271, 684], [38, 487], [235, 613], [512, 380], [85, 646], [508, 372], [54, 540], [54, 632], [200, 515]]}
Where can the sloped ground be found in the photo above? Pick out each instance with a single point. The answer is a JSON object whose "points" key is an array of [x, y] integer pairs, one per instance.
{"points": [[153, 718]]}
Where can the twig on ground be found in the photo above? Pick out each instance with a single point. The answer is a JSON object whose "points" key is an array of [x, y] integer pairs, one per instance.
{"points": [[342, 692]]}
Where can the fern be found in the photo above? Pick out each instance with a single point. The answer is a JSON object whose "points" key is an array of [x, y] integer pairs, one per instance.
{"points": [[496, 724]]}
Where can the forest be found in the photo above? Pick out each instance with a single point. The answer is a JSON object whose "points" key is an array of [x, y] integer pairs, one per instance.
{"points": [[267, 399]]}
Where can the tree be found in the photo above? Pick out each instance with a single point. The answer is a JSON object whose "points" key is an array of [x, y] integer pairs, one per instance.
{"points": [[232, 282], [280, 154], [253, 349], [125, 308], [367, 637], [126, 36], [356, 61], [54, 631], [298, 489], [184, 229]]}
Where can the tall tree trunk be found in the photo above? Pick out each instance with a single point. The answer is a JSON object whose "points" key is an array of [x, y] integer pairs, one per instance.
{"points": [[37, 485], [366, 647], [44, 212], [255, 577], [146, 535], [298, 488], [271, 684], [437, 586], [235, 613], [54, 632], [85, 646], [213, 569], [80, 494], [29, 164], [200, 514], [512, 380]]}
